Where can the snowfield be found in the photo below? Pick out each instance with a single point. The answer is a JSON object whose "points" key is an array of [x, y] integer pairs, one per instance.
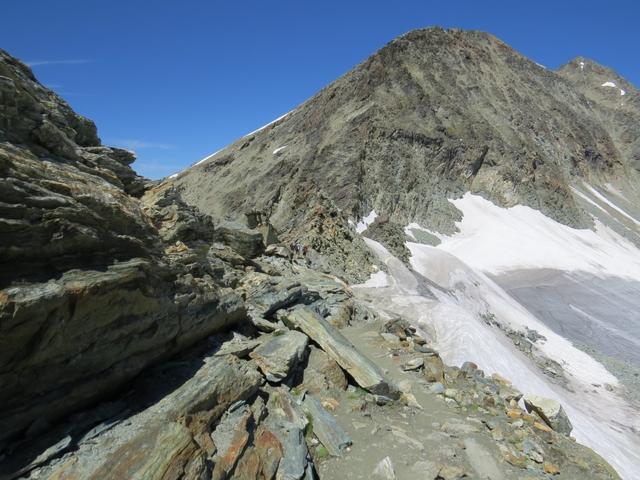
{"points": [[456, 292]]}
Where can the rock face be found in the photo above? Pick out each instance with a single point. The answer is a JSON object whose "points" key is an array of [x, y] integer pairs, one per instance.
{"points": [[98, 280], [433, 114]]}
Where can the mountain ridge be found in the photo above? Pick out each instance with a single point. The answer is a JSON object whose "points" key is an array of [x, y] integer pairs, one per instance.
{"points": [[432, 114]]}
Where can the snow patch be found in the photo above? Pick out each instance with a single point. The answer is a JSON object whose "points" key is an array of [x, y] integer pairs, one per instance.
{"points": [[366, 221], [494, 240], [622, 92], [376, 280], [279, 149], [448, 300], [209, 157], [270, 123], [581, 65], [604, 199]]}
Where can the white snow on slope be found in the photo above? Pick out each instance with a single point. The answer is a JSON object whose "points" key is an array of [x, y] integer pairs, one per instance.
{"points": [[366, 221], [208, 157], [493, 240], [604, 199], [270, 123], [449, 309], [279, 149], [613, 84]]}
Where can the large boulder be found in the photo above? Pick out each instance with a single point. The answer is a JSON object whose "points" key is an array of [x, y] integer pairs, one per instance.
{"points": [[277, 357], [365, 372], [550, 411]]}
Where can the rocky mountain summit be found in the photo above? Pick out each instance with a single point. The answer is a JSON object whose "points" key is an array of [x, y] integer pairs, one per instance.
{"points": [[206, 326]]}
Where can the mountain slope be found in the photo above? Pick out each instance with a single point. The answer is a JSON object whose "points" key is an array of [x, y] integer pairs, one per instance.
{"points": [[431, 115]]}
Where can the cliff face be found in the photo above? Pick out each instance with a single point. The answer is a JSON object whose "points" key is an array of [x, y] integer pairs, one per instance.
{"points": [[433, 114], [98, 283]]}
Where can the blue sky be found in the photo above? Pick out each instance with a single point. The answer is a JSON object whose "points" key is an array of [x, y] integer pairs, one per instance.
{"points": [[176, 81]]}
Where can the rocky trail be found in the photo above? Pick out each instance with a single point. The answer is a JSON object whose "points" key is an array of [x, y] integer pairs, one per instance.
{"points": [[294, 396]]}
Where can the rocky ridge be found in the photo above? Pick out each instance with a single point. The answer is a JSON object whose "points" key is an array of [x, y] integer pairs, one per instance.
{"points": [[142, 338]]}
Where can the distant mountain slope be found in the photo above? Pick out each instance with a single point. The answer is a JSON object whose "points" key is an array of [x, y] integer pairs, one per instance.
{"points": [[433, 114]]}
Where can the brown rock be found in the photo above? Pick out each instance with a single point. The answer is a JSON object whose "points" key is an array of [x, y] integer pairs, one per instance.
{"points": [[323, 374]]}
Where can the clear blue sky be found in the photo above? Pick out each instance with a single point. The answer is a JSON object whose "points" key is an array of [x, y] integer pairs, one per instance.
{"points": [[177, 80]]}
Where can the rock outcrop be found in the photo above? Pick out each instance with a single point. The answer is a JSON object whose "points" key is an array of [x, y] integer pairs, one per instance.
{"points": [[98, 283]]}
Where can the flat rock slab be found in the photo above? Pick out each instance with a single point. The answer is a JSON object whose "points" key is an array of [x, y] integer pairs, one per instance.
{"points": [[277, 357], [325, 427], [285, 408], [366, 373], [294, 462], [550, 411]]}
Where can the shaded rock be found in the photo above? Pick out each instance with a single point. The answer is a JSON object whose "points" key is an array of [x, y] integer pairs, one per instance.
{"points": [[366, 373], [434, 369], [278, 356], [231, 437], [247, 242], [322, 373], [550, 411], [62, 319], [325, 427], [170, 439]]}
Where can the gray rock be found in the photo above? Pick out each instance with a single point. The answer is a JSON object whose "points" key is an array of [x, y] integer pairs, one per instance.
{"points": [[323, 373], [413, 364], [550, 411], [283, 407], [158, 438], [223, 434], [293, 465], [247, 242], [278, 356], [325, 427], [437, 388], [366, 373]]}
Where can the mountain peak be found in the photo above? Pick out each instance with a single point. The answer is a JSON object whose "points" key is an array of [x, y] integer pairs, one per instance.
{"points": [[431, 115]]}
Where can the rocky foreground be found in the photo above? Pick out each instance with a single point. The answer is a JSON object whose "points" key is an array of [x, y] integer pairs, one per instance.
{"points": [[310, 384], [142, 338]]}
